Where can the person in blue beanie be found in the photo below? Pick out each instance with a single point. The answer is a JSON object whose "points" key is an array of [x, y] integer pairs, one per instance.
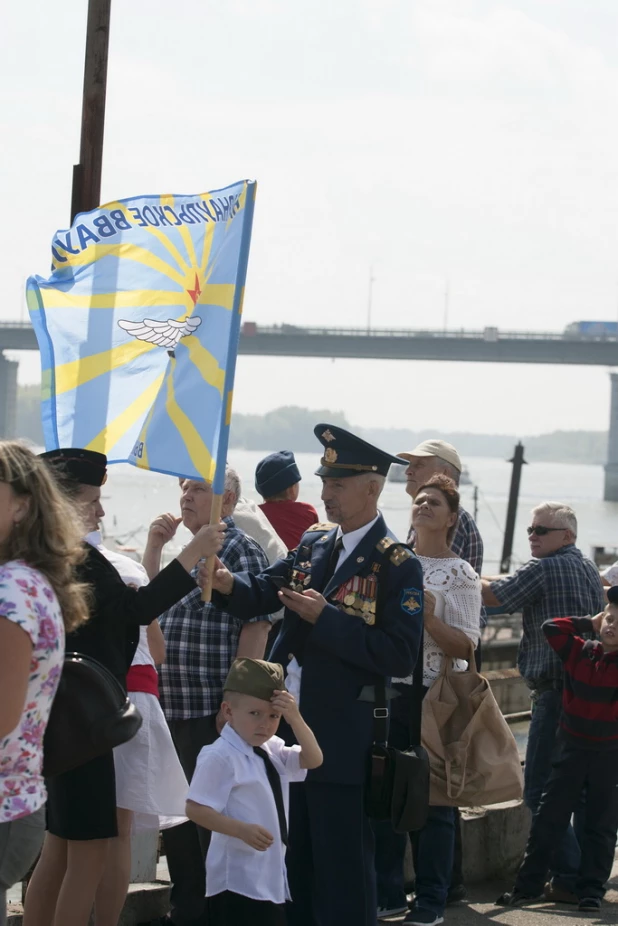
{"points": [[277, 479]]}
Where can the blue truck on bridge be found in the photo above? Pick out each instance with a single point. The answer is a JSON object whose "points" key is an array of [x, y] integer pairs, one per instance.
{"points": [[603, 330]]}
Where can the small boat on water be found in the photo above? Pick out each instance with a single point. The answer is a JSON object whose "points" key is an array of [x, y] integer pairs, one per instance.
{"points": [[398, 474]]}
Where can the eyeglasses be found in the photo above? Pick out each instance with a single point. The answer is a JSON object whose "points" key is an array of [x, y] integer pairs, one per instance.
{"points": [[542, 531]]}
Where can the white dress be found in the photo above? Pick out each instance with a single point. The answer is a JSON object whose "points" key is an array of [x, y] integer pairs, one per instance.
{"points": [[149, 777], [457, 589]]}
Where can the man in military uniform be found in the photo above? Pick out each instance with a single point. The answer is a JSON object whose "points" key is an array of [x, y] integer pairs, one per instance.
{"points": [[353, 615]]}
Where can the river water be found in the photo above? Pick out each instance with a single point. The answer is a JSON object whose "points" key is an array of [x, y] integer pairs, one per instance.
{"points": [[132, 498]]}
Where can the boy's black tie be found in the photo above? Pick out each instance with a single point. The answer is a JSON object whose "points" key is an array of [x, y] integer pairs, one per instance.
{"points": [[275, 785]]}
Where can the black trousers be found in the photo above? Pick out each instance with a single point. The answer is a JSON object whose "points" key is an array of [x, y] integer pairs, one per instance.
{"points": [[230, 909], [186, 845], [330, 857], [575, 769]]}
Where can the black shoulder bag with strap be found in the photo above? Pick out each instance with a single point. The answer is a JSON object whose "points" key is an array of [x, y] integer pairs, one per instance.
{"points": [[397, 786], [90, 715]]}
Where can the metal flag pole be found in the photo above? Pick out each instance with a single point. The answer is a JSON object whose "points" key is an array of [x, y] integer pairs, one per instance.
{"points": [[511, 514]]}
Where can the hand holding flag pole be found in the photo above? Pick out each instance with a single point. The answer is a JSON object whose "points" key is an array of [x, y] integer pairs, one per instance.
{"points": [[230, 371]]}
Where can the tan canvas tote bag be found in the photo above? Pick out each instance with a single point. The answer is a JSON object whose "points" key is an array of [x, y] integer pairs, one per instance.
{"points": [[472, 753]]}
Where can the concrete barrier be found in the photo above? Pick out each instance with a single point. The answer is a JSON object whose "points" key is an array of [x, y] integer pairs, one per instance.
{"points": [[510, 690]]}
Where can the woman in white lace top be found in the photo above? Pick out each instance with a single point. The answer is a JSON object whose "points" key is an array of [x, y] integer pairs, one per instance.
{"points": [[452, 612]]}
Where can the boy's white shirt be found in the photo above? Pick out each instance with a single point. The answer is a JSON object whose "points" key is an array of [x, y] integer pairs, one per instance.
{"points": [[231, 778]]}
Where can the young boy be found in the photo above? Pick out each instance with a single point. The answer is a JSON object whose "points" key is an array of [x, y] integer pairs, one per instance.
{"points": [[277, 479], [586, 758], [240, 792]]}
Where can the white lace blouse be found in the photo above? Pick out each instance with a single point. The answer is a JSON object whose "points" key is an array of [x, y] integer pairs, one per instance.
{"points": [[457, 588]]}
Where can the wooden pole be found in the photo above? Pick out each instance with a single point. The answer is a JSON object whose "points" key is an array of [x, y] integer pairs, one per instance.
{"points": [[86, 191], [215, 517]]}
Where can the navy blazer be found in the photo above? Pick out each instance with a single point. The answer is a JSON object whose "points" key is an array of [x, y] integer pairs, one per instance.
{"points": [[342, 651]]}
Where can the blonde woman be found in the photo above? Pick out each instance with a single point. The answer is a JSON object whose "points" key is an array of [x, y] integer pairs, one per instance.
{"points": [[40, 546]]}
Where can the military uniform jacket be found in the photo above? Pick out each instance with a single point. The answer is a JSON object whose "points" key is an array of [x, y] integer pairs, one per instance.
{"points": [[345, 650]]}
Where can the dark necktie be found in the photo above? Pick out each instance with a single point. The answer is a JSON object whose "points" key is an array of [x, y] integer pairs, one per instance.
{"points": [[334, 559], [275, 786]]}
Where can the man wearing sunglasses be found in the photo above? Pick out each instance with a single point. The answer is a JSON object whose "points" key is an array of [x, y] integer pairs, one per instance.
{"points": [[559, 581]]}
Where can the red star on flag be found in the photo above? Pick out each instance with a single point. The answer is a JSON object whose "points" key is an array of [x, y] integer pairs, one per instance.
{"points": [[197, 292]]}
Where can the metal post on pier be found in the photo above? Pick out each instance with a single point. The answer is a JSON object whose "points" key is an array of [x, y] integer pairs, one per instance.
{"points": [[511, 513], [475, 497], [86, 191]]}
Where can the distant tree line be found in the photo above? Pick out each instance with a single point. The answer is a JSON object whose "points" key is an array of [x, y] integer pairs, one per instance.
{"points": [[29, 414], [291, 428]]}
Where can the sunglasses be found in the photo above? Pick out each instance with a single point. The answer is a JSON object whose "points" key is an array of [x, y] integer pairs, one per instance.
{"points": [[542, 531]]}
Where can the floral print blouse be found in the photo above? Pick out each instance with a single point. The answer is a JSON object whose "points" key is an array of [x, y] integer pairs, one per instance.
{"points": [[27, 598]]}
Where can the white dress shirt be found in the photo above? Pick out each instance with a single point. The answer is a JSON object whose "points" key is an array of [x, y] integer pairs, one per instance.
{"points": [[231, 778], [352, 539]]}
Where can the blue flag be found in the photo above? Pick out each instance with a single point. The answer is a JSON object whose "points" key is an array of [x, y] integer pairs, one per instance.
{"points": [[138, 329]]}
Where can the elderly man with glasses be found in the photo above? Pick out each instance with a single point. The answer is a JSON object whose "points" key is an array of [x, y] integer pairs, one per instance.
{"points": [[559, 581]]}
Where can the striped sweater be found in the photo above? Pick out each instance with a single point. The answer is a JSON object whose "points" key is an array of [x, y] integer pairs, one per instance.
{"points": [[590, 694]]}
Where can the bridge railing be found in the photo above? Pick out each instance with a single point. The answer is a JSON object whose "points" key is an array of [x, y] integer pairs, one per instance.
{"points": [[454, 333], [492, 336]]}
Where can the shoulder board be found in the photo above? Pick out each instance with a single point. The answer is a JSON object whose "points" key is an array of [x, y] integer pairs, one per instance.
{"points": [[321, 526], [398, 553]]}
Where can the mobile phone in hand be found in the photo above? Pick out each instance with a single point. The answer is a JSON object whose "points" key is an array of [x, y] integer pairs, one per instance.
{"points": [[280, 581]]}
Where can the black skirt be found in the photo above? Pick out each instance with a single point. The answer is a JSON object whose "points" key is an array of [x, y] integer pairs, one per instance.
{"points": [[81, 804]]}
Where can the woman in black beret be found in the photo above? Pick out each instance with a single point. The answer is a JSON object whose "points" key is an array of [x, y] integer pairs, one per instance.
{"points": [[81, 808]]}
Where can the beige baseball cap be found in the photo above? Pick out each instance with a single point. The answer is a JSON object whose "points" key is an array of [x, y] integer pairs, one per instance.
{"points": [[435, 448]]}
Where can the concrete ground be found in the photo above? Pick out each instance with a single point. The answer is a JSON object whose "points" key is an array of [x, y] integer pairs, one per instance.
{"points": [[479, 910]]}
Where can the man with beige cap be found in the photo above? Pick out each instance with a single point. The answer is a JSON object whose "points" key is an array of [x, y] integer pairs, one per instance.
{"points": [[438, 456]]}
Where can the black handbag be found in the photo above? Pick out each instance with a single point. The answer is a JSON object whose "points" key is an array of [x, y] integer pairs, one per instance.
{"points": [[397, 786], [90, 715]]}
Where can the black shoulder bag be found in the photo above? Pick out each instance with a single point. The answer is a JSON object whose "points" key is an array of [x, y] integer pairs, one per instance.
{"points": [[90, 715], [397, 786]]}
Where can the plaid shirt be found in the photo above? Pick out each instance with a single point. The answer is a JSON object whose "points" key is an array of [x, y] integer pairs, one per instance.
{"points": [[201, 640], [467, 544], [564, 584]]}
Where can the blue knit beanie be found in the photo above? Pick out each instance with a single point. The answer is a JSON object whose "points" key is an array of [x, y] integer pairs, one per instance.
{"points": [[276, 473]]}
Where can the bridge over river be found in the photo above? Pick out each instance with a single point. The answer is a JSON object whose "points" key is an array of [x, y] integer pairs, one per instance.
{"points": [[489, 345]]}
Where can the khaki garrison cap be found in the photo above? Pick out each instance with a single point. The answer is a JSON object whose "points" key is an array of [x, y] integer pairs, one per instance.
{"points": [[256, 678]]}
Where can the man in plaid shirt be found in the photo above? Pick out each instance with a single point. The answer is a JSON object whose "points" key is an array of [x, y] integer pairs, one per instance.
{"points": [[559, 581], [201, 643]]}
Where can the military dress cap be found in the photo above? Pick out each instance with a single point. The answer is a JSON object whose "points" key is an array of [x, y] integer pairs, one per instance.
{"points": [[348, 455], [86, 467], [435, 448], [255, 677], [276, 473]]}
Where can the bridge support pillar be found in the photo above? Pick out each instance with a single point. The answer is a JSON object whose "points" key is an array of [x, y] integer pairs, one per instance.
{"points": [[8, 397], [610, 493]]}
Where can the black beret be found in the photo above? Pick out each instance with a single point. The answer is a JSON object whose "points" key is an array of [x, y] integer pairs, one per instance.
{"points": [[86, 467]]}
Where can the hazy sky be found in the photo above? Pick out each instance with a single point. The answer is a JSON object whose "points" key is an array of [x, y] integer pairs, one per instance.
{"points": [[469, 140]]}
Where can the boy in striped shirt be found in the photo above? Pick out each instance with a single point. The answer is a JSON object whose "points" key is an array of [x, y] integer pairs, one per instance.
{"points": [[586, 759]]}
